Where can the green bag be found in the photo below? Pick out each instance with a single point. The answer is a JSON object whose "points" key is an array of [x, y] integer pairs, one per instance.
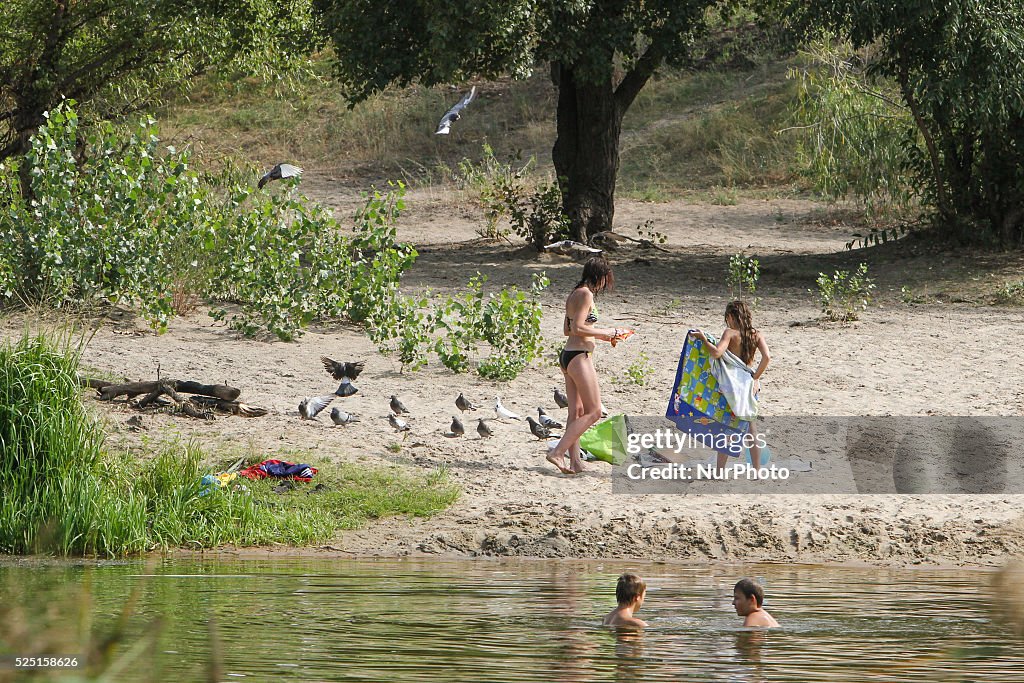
{"points": [[607, 440]]}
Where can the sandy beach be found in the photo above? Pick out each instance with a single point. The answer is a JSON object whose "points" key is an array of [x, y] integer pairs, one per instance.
{"points": [[944, 356]]}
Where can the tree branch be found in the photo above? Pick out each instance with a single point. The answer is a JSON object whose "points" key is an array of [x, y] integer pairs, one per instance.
{"points": [[637, 78], [941, 197]]}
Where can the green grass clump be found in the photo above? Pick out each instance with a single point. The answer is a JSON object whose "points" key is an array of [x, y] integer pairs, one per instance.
{"points": [[63, 495]]}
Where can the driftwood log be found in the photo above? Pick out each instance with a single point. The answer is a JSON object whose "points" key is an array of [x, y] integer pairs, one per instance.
{"points": [[180, 405], [233, 407], [108, 391]]}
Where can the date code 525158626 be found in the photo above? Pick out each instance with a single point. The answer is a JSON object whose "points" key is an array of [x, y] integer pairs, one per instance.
{"points": [[40, 662]]}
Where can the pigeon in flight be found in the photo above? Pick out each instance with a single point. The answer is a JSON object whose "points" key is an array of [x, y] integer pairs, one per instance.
{"points": [[341, 370], [483, 430], [570, 248], [399, 424], [278, 172], [311, 407], [504, 413], [453, 115], [345, 389], [561, 399], [546, 420], [457, 428], [464, 404], [340, 417], [397, 406], [539, 430]]}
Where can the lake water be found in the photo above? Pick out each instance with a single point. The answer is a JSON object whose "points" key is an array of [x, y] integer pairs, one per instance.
{"points": [[506, 620]]}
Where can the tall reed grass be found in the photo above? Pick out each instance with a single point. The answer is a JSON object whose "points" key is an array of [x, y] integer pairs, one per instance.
{"points": [[61, 494]]}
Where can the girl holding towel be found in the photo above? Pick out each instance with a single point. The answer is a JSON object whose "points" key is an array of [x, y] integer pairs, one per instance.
{"points": [[744, 341]]}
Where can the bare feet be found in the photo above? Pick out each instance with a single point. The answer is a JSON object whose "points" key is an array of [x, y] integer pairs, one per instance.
{"points": [[557, 462], [576, 468]]}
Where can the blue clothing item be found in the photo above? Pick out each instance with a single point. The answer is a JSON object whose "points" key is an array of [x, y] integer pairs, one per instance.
{"points": [[281, 469]]}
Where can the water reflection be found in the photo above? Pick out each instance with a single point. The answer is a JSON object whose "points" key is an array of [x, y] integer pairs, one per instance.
{"points": [[416, 620]]}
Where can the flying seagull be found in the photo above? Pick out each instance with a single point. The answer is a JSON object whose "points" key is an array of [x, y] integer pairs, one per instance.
{"points": [[311, 407], [453, 115], [278, 172], [339, 370]]}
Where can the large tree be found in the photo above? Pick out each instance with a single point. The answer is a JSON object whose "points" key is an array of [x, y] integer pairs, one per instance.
{"points": [[958, 66], [601, 54], [115, 56]]}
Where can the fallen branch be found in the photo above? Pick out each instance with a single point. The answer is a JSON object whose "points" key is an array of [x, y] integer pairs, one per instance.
{"points": [[233, 407], [108, 391]]}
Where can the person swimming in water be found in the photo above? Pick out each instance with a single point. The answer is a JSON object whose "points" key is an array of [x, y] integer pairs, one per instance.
{"points": [[630, 592], [748, 598]]}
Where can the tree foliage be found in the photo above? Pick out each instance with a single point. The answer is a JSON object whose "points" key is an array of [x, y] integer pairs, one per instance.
{"points": [[601, 53], [115, 56], [957, 66], [132, 222]]}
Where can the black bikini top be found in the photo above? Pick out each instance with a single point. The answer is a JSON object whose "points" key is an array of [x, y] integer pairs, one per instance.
{"points": [[591, 318]]}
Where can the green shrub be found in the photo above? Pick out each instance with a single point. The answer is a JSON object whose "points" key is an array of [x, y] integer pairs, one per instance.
{"points": [[843, 295], [638, 372], [744, 272], [131, 223], [510, 324], [1011, 293], [456, 327]]}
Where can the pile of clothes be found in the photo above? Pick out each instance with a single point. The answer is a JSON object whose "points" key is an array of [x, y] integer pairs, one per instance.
{"points": [[268, 468]]}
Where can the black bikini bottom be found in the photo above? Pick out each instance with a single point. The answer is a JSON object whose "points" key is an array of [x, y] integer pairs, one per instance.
{"points": [[566, 357]]}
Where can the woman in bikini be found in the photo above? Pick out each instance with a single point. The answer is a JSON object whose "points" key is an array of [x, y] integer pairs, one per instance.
{"points": [[576, 363]]}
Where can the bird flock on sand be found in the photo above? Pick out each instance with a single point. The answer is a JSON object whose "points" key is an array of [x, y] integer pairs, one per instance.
{"points": [[399, 416]]}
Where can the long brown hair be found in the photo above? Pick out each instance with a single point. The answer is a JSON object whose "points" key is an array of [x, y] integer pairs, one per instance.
{"points": [[740, 312], [597, 275]]}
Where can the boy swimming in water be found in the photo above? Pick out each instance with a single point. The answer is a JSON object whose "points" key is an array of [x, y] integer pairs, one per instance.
{"points": [[747, 598], [629, 593]]}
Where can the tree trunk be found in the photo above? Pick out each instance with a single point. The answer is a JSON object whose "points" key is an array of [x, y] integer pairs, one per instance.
{"points": [[586, 151]]}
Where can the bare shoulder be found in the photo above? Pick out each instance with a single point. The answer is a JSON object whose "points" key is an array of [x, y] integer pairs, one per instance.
{"points": [[582, 294], [629, 622]]}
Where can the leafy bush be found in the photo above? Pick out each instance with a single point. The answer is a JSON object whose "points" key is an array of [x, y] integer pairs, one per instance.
{"points": [[843, 295], [856, 131], [534, 214], [456, 327], [485, 178], [945, 119], [133, 224], [510, 324], [744, 272], [638, 372], [1011, 293]]}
